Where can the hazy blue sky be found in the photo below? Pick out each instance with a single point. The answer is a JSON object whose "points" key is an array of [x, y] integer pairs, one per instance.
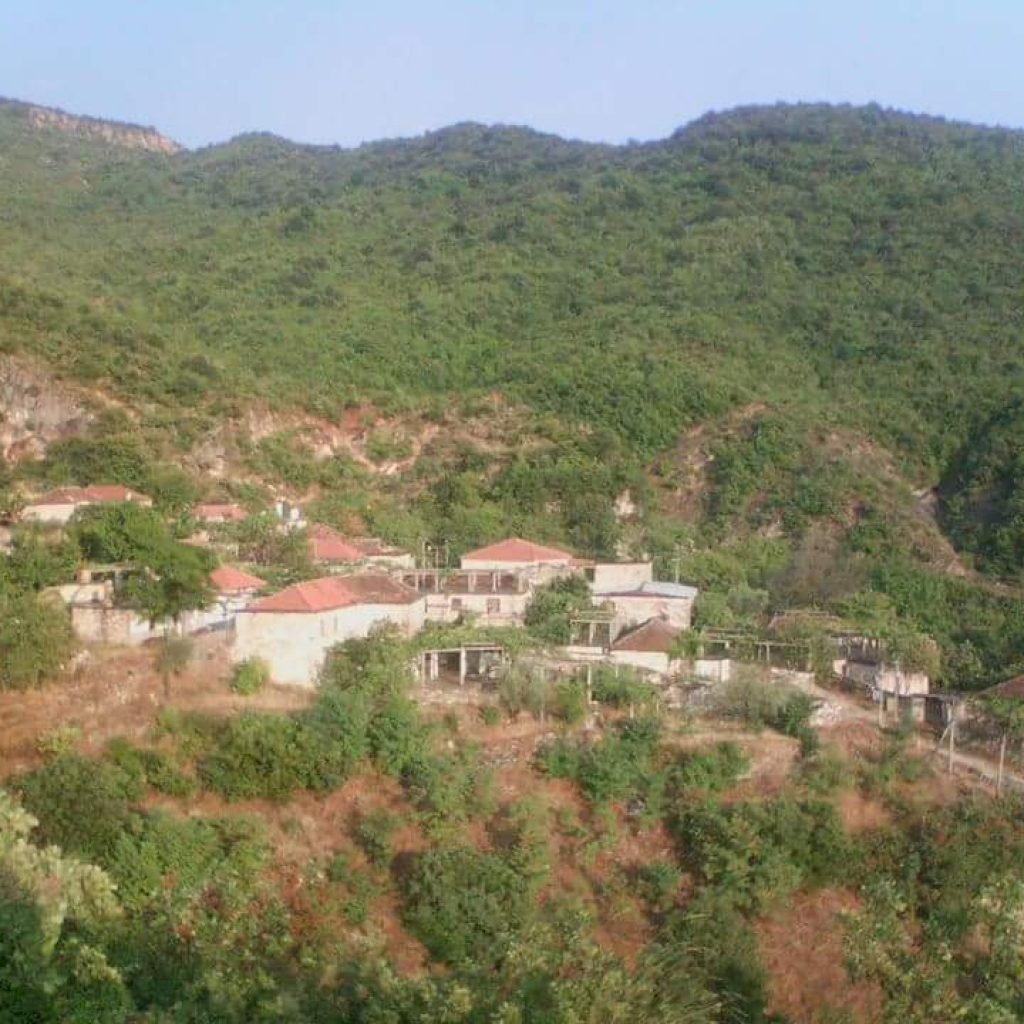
{"points": [[319, 71]]}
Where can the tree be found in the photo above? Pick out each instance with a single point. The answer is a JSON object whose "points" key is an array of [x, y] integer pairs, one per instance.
{"points": [[553, 605], [36, 640], [172, 659]]}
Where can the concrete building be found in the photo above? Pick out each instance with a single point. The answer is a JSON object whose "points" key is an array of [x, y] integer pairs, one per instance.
{"points": [[648, 647], [377, 552], [97, 616], [212, 513], [534, 561], [654, 599], [293, 629], [618, 577], [58, 506], [491, 598], [330, 548]]}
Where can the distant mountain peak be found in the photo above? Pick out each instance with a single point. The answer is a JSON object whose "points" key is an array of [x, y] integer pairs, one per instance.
{"points": [[116, 133]]}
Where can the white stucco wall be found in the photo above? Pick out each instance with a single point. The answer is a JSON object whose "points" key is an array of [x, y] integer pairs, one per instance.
{"points": [[647, 661], [886, 678], [620, 576], [47, 513], [294, 644], [633, 610]]}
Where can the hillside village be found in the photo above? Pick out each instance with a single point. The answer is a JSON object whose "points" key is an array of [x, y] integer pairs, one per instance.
{"points": [[486, 578], [354, 586]]}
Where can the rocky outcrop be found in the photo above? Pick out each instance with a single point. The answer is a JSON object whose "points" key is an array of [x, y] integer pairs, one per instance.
{"points": [[128, 136], [35, 410]]}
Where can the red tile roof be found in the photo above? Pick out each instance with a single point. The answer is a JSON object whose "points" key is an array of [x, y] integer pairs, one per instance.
{"points": [[655, 636], [214, 512], [330, 592], [94, 494], [519, 551], [1011, 689], [327, 545], [226, 579]]}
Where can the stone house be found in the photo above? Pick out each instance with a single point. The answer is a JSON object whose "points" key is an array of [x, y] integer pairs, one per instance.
{"points": [[293, 629], [648, 647], [536, 562], [491, 598], [330, 548], [652, 599], [212, 514], [59, 505], [97, 617]]}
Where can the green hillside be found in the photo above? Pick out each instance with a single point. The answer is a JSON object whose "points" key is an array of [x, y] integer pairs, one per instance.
{"points": [[852, 273]]}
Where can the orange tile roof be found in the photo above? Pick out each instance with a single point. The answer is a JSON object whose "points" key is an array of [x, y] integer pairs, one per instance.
{"points": [[654, 636], [517, 550], [226, 579], [327, 545], [1011, 688], [214, 511], [330, 592]]}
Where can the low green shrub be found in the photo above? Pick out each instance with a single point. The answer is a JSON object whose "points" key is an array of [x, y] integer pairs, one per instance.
{"points": [[756, 853], [374, 834], [271, 756], [490, 715], [250, 676], [61, 740], [658, 883], [712, 769], [150, 767], [82, 805], [465, 905]]}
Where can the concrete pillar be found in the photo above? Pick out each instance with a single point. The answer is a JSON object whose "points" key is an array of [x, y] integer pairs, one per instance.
{"points": [[435, 665], [462, 666]]}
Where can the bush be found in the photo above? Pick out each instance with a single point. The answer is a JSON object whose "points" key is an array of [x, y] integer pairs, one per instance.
{"points": [[250, 676], [61, 740], [374, 833], [712, 770], [658, 883], [620, 766], [82, 805], [757, 853], [150, 767], [569, 702], [490, 715], [465, 905], [272, 756]]}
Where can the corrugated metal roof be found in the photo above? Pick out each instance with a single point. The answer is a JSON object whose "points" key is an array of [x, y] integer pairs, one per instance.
{"points": [[657, 588]]}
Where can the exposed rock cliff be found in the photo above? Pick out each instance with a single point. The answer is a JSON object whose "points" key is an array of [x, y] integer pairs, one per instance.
{"points": [[35, 410], [116, 133]]}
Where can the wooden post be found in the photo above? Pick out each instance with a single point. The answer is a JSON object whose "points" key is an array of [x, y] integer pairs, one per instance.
{"points": [[952, 746], [1002, 761]]}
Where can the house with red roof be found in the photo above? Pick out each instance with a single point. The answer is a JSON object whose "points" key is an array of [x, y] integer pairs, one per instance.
{"points": [[328, 547], [293, 629], [536, 561], [212, 513], [60, 504], [649, 647]]}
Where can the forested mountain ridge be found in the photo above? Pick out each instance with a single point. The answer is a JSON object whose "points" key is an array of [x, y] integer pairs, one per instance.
{"points": [[846, 272]]}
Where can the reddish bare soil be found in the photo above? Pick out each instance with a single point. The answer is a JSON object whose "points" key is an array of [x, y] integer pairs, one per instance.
{"points": [[802, 949], [118, 692]]}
